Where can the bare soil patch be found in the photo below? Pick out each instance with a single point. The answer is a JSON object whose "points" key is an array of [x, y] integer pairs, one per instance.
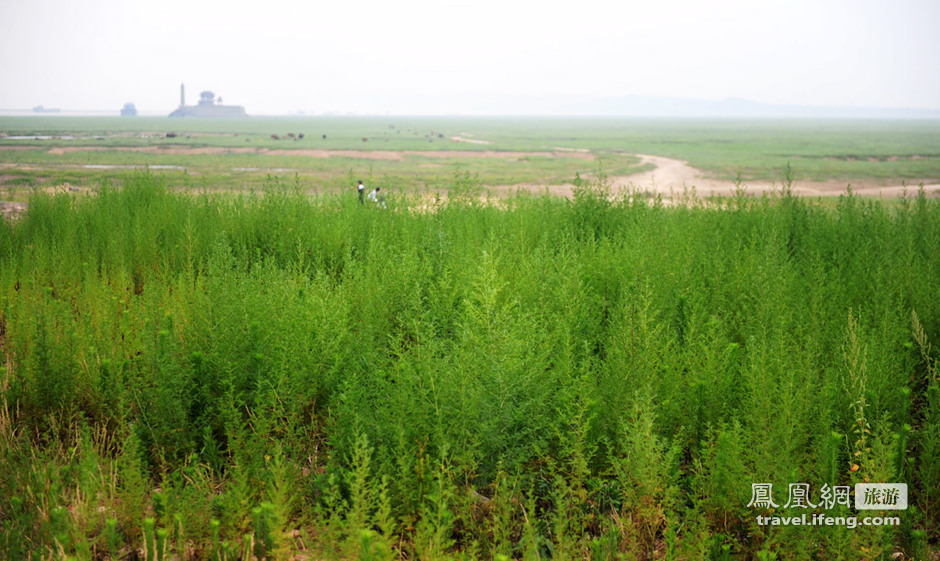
{"points": [[385, 155], [675, 175], [671, 177], [12, 210], [494, 154], [469, 140]]}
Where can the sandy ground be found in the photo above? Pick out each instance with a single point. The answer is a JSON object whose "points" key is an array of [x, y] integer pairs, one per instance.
{"points": [[399, 155], [675, 176], [386, 155], [469, 140]]}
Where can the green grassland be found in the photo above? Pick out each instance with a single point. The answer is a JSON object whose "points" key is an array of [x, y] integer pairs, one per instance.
{"points": [[36, 167], [276, 375], [818, 150], [228, 357]]}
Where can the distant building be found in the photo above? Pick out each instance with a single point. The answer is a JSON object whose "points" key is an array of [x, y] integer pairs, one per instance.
{"points": [[41, 109], [129, 110], [208, 106]]}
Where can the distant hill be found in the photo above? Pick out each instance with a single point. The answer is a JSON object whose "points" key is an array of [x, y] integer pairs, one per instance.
{"points": [[653, 106], [733, 107]]}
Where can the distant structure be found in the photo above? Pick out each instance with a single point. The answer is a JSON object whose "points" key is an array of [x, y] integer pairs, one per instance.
{"points": [[41, 109], [208, 107], [129, 110]]}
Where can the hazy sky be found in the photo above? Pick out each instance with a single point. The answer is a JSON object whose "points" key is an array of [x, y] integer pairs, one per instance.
{"points": [[434, 56]]}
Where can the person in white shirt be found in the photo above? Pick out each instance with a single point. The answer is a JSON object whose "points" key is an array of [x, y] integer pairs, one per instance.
{"points": [[379, 200]]}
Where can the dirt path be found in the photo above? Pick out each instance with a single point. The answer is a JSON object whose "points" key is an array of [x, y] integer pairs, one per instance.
{"points": [[675, 175]]}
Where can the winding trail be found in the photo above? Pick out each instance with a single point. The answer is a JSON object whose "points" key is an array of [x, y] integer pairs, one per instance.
{"points": [[673, 176]]}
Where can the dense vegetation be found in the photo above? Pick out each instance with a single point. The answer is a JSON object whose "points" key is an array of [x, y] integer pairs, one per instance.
{"points": [[219, 376]]}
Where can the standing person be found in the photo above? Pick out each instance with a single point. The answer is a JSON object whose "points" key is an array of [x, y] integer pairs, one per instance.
{"points": [[362, 192]]}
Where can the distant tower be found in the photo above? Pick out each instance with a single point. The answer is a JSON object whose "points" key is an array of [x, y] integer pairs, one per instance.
{"points": [[182, 95]]}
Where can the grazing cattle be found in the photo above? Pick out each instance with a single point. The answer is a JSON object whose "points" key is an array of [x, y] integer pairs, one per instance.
{"points": [[300, 136], [275, 137], [171, 135], [290, 135]]}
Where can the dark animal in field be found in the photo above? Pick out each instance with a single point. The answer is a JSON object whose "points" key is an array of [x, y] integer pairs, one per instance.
{"points": [[324, 137], [290, 135], [300, 136], [364, 139], [171, 135], [275, 137]]}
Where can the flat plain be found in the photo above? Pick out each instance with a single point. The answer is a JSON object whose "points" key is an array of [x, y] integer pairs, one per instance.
{"points": [[409, 154]]}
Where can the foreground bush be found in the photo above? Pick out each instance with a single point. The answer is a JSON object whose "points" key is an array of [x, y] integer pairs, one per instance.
{"points": [[212, 377]]}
